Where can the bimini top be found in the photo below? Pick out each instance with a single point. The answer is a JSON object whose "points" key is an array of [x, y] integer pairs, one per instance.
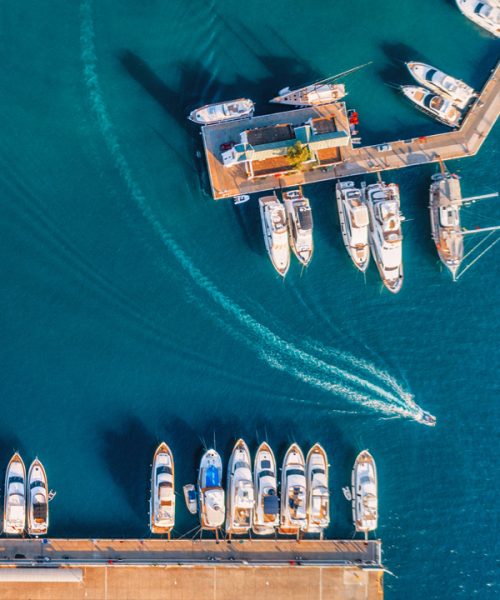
{"points": [[212, 478]]}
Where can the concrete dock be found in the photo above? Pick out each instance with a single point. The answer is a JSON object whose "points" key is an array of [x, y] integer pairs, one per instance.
{"points": [[460, 143]]}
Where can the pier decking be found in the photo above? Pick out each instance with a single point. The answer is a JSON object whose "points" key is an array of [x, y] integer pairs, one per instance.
{"points": [[463, 142]]}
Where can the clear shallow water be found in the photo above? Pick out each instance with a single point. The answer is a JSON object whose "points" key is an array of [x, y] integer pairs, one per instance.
{"points": [[136, 309]]}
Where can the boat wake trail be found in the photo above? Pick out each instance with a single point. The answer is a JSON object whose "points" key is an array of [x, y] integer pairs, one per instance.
{"points": [[346, 377]]}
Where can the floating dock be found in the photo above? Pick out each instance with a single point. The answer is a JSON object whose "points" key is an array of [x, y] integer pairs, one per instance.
{"points": [[227, 182], [110, 569]]}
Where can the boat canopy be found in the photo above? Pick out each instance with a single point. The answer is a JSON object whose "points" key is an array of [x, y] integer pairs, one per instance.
{"points": [[212, 477], [359, 216], [271, 504]]}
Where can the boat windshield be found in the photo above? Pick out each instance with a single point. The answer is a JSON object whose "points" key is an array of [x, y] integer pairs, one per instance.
{"points": [[295, 472], [16, 479], [265, 464], [37, 483], [430, 74], [266, 473], [163, 469], [318, 471]]}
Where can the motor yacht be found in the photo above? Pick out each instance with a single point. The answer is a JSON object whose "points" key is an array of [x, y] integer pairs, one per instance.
{"points": [[485, 13], [456, 90], [293, 492], [162, 503], [300, 225], [318, 496], [354, 221], [364, 493], [240, 498], [38, 499], [222, 111], [210, 491], [190, 498], [433, 104], [14, 514], [267, 513], [273, 218]]}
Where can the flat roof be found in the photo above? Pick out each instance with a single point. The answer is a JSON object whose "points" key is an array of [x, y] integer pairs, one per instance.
{"points": [[270, 134]]}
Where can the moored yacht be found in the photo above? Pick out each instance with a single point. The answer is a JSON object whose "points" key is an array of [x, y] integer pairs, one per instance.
{"points": [[222, 111], [38, 499], [240, 491], [485, 13], [312, 95], [300, 225], [14, 514], [274, 227], [190, 498], [318, 496], [267, 513], [386, 238], [433, 104], [162, 502], [353, 217], [293, 492], [364, 493], [456, 90], [210, 491]]}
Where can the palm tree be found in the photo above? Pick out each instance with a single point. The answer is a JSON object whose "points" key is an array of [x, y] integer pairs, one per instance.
{"points": [[298, 154]]}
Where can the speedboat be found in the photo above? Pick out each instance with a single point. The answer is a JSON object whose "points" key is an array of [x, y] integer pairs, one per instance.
{"points": [[485, 13], [445, 202], [293, 492], [386, 238], [433, 104], [353, 216], [190, 498], [311, 95], [274, 227], [14, 514], [222, 111], [267, 514], [456, 90], [426, 418], [364, 493], [240, 491], [318, 496], [162, 503], [300, 225], [38, 499], [210, 491]]}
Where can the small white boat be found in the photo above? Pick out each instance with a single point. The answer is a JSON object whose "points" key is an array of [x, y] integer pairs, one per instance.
{"points": [[14, 515], [190, 498], [354, 223], [456, 90], [241, 199], [38, 499], [485, 13], [267, 511], [318, 495], [274, 227], [433, 104], [210, 491], [162, 502], [240, 498], [364, 493], [346, 490], [293, 492], [300, 225], [222, 111]]}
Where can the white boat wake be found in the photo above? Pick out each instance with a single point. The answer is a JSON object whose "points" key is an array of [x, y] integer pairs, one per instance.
{"points": [[385, 395]]}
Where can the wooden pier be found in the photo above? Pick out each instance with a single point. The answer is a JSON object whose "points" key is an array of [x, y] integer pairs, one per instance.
{"points": [[460, 143]]}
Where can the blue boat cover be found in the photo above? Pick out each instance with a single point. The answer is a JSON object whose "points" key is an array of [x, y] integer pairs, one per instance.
{"points": [[212, 479], [271, 505]]}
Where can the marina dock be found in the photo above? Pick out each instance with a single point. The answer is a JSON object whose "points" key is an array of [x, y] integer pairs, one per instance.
{"points": [[465, 141]]}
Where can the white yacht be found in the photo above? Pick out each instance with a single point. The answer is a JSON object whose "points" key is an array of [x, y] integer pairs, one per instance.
{"points": [[300, 225], [14, 514], [456, 90], [274, 227], [293, 492], [433, 104], [222, 111], [354, 220], [485, 13], [364, 493], [318, 496], [267, 513], [162, 502], [210, 491], [240, 498], [312, 95], [38, 499], [386, 238], [190, 498]]}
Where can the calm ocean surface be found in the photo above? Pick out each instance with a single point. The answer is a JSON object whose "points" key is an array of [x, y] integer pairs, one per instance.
{"points": [[136, 309]]}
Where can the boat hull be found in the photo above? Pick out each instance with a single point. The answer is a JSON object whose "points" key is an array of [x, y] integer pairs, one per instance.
{"points": [[364, 495], [303, 251], [239, 514], [162, 511], [454, 123], [461, 96], [14, 518], [211, 496], [293, 492], [360, 263], [279, 252], [266, 485], [38, 500], [318, 502]]}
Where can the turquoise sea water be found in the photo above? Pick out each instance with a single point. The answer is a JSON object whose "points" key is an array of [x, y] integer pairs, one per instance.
{"points": [[136, 309]]}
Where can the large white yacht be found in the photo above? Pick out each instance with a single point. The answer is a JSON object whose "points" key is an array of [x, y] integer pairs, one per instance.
{"points": [[386, 238], [300, 225], [162, 502], [240, 498], [267, 513], [38, 499], [456, 90], [364, 493], [433, 104], [318, 496], [293, 492], [222, 111], [485, 13], [210, 491], [14, 515], [354, 220], [274, 227]]}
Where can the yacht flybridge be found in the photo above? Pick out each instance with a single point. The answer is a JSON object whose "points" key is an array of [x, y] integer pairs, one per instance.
{"points": [[14, 514], [454, 89], [318, 496], [38, 499], [162, 503], [293, 492], [485, 13], [364, 493], [274, 227], [210, 491], [300, 225], [354, 222], [240, 491], [386, 238], [433, 104], [267, 511], [222, 111]]}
